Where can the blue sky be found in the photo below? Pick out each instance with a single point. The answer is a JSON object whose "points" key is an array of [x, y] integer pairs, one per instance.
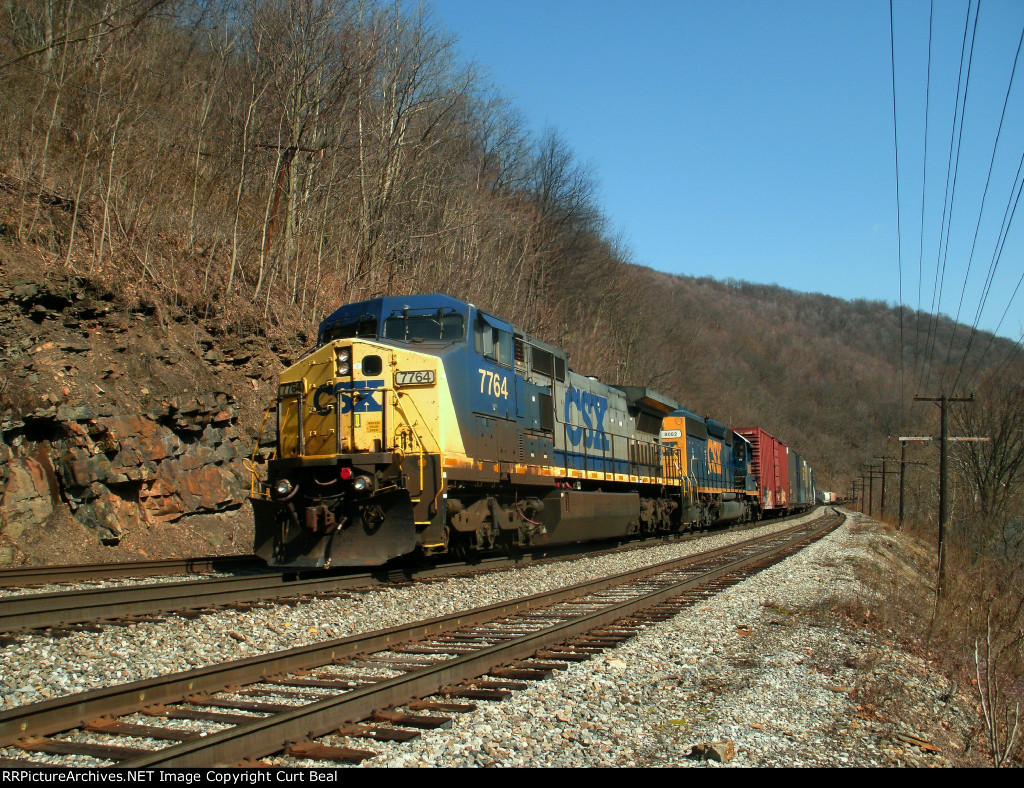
{"points": [[754, 140]]}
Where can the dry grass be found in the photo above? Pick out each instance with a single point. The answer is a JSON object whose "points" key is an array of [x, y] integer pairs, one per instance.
{"points": [[973, 633]]}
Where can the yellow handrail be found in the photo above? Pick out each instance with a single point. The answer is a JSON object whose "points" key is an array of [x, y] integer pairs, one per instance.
{"points": [[249, 463], [419, 440]]}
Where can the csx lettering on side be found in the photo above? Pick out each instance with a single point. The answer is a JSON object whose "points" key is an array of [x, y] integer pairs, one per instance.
{"points": [[591, 408]]}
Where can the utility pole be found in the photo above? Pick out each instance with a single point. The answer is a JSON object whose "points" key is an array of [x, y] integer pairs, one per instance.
{"points": [[885, 461], [872, 471], [903, 465], [881, 503], [944, 440]]}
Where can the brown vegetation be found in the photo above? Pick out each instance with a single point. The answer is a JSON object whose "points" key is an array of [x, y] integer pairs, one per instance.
{"points": [[239, 168], [252, 164], [975, 627]]}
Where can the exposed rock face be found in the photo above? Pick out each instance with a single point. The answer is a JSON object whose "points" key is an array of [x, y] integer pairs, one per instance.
{"points": [[119, 420], [29, 490], [173, 461], [178, 459]]}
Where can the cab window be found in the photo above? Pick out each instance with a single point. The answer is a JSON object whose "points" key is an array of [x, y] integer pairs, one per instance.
{"points": [[424, 328], [364, 326], [493, 343]]}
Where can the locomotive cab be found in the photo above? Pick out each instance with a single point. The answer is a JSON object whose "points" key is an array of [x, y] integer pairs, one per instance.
{"points": [[714, 466], [362, 423]]}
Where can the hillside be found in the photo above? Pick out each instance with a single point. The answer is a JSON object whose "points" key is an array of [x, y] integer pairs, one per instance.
{"points": [[190, 185]]}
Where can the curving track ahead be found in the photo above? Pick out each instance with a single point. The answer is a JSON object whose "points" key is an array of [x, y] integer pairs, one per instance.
{"points": [[513, 640]]}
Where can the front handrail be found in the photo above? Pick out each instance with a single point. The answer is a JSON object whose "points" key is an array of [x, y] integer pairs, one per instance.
{"points": [[249, 463]]}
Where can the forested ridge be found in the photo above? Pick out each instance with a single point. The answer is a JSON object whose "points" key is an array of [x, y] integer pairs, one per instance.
{"points": [[248, 165], [188, 186]]}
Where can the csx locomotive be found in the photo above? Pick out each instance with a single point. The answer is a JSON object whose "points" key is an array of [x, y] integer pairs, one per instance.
{"points": [[424, 425]]}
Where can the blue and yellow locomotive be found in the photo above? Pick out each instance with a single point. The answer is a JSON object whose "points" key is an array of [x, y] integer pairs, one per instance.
{"points": [[714, 469], [422, 424]]}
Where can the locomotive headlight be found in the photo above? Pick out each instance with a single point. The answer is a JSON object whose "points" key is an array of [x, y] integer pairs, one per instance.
{"points": [[341, 359], [361, 483], [282, 487]]}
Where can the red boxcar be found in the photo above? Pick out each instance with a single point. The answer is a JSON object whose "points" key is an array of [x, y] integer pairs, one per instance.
{"points": [[771, 467]]}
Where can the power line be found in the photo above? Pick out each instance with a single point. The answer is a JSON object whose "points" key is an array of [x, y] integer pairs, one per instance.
{"points": [[952, 168], [899, 233], [981, 211], [924, 181], [997, 255], [956, 176]]}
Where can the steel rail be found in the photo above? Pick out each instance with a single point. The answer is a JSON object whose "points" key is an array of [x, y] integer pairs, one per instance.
{"points": [[20, 577], [72, 711], [74, 573], [62, 608], [273, 733], [23, 612]]}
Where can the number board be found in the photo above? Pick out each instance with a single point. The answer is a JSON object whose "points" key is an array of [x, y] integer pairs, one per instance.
{"points": [[420, 377], [290, 389]]}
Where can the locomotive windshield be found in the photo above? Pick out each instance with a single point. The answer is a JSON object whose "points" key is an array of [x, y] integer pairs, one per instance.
{"points": [[436, 326], [363, 326]]}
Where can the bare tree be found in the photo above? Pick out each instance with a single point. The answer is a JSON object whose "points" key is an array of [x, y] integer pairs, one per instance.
{"points": [[1000, 715], [994, 469]]}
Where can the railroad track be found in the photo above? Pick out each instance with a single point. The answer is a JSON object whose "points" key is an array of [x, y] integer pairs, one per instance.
{"points": [[136, 603], [355, 687], [131, 604], [77, 573]]}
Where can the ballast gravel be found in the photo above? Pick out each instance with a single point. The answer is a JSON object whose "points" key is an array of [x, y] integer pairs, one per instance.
{"points": [[770, 668], [125, 582], [39, 666]]}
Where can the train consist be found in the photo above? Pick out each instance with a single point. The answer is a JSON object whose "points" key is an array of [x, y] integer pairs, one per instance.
{"points": [[421, 425]]}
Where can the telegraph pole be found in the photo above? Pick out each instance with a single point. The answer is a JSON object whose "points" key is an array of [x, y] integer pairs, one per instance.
{"points": [[944, 439], [872, 471], [903, 467], [885, 461], [881, 503]]}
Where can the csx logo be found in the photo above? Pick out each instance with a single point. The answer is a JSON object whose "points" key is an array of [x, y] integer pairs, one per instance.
{"points": [[591, 408], [355, 397], [714, 457]]}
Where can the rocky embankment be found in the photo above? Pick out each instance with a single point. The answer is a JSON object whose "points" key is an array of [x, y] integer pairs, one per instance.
{"points": [[116, 422]]}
